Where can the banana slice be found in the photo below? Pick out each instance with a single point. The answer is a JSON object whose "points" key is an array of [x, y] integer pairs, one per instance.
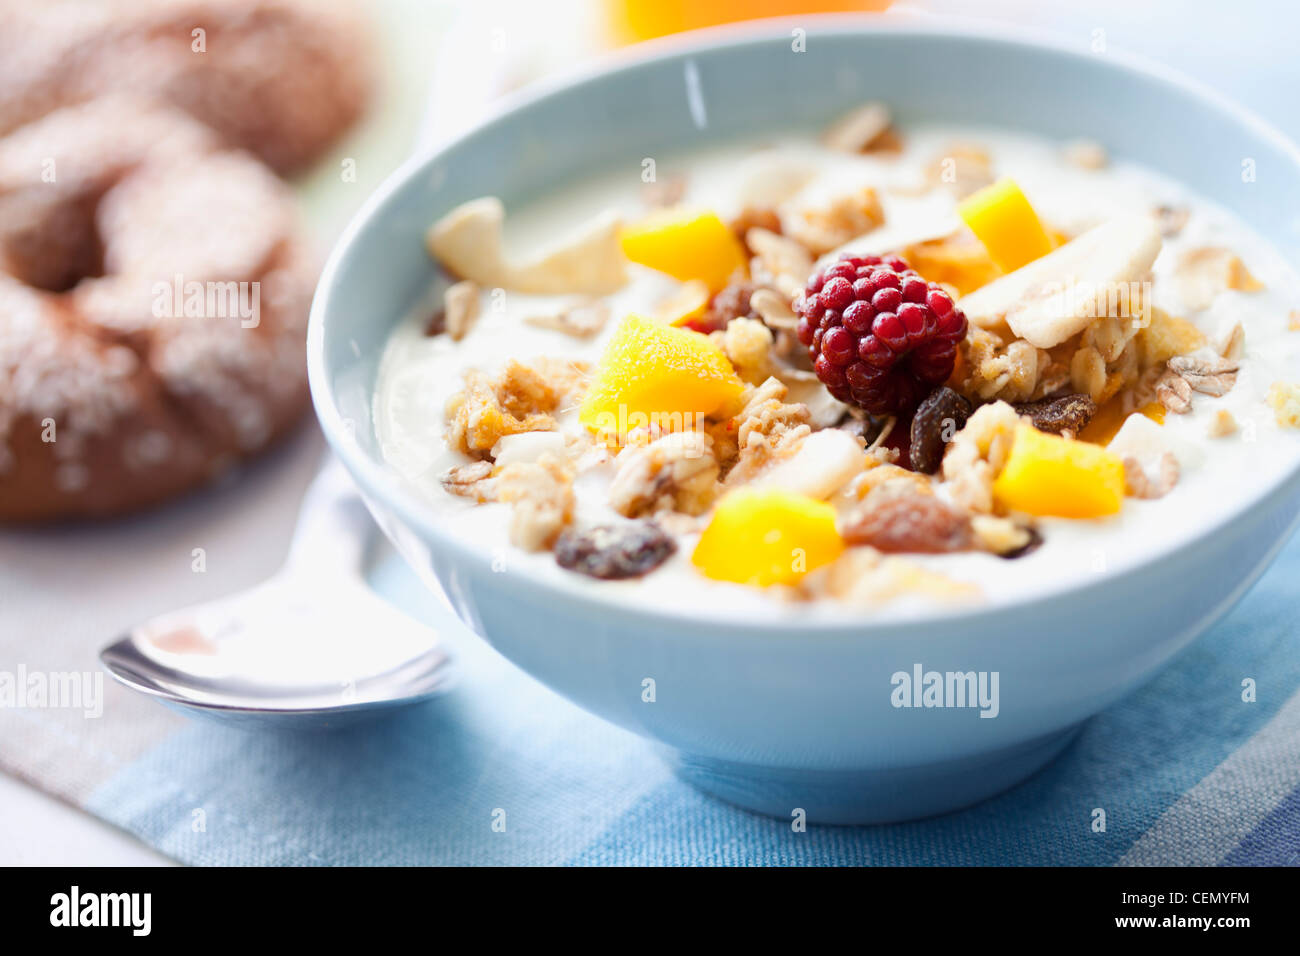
{"points": [[1061, 294], [469, 241]]}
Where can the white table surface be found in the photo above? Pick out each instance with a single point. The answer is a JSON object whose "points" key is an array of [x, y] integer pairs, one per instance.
{"points": [[1248, 56]]}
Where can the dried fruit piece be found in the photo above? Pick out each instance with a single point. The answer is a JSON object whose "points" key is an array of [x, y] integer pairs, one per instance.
{"points": [[1065, 413], [767, 536], [686, 244], [653, 374], [910, 523], [1049, 475], [616, 551], [1006, 223], [936, 421]]}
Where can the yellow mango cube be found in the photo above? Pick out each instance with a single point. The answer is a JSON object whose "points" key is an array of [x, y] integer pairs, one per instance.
{"points": [[1006, 223], [686, 244], [655, 375], [766, 536], [1050, 475]]}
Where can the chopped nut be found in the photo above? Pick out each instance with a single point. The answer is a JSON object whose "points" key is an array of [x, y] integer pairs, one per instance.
{"points": [[1210, 375], [460, 304], [977, 454], [916, 523], [661, 193], [582, 319], [674, 473], [1086, 154], [542, 500], [778, 261], [1140, 485], [1201, 274], [1284, 399], [859, 130], [1232, 342], [614, 552], [823, 228], [1001, 536], [1171, 219], [748, 344], [1223, 424], [1065, 413], [470, 481], [1174, 392], [773, 308]]}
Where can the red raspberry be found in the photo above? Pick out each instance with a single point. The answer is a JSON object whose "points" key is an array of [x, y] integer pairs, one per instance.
{"points": [[880, 336]]}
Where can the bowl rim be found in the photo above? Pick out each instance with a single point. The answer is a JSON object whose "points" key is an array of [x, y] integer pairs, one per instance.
{"points": [[383, 483]]}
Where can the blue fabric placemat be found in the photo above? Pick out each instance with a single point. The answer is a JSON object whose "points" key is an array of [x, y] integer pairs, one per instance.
{"points": [[503, 771]]}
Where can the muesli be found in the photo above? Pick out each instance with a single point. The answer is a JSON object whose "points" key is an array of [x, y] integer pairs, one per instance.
{"points": [[880, 365]]}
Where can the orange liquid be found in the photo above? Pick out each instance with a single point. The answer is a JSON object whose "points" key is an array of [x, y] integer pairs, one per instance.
{"points": [[633, 20]]}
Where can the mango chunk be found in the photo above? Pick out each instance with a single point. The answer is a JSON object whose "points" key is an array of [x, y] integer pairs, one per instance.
{"points": [[1002, 218], [1112, 415], [766, 536], [685, 305], [1050, 475], [655, 375], [686, 244]]}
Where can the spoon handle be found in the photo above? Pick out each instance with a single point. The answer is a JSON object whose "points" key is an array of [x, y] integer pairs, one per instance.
{"points": [[333, 526]]}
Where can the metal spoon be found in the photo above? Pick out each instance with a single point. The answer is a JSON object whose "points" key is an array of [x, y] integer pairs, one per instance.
{"points": [[314, 646]]}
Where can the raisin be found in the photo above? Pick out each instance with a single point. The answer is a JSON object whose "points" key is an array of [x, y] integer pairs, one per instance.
{"points": [[615, 551], [1035, 541], [916, 523], [936, 420], [1065, 412]]}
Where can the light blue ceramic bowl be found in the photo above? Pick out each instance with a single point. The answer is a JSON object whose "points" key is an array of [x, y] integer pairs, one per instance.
{"points": [[775, 716]]}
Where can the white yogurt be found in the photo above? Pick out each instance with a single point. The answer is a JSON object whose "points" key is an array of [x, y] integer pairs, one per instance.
{"points": [[418, 373]]}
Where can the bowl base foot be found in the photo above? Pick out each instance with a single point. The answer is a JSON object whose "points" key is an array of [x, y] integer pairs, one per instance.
{"points": [[870, 796]]}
